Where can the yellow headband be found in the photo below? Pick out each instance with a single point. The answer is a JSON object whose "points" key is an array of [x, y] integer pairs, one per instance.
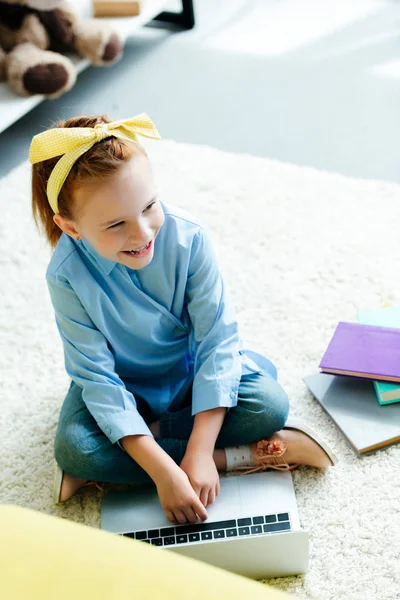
{"points": [[72, 142]]}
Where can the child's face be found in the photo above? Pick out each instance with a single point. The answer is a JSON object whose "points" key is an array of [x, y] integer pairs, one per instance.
{"points": [[120, 216]]}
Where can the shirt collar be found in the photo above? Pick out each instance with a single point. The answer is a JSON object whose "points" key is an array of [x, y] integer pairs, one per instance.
{"points": [[105, 264]]}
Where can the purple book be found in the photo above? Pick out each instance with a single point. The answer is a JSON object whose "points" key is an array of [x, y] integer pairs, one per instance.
{"points": [[366, 351]]}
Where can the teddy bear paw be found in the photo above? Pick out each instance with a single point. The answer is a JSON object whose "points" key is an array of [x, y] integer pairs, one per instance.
{"points": [[98, 42], [31, 70]]}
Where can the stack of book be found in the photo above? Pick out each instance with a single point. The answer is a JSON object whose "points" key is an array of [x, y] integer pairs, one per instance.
{"points": [[359, 383]]}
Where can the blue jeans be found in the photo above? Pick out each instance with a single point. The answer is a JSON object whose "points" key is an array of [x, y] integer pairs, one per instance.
{"points": [[83, 450]]}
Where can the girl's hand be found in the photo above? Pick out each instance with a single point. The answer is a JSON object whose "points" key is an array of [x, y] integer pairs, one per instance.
{"points": [[203, 475], [178, 498]]}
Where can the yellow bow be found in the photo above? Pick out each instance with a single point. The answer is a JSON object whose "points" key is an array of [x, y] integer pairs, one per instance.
{"points": [[72, 142]]}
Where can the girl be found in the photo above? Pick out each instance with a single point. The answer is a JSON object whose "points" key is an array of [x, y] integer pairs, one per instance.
{"points": [[162, 388]]}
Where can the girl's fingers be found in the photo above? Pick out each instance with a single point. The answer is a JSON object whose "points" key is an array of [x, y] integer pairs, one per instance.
{"points": [[170, 516], [199, 509], [180, 516], [191, 514], [203, 496], [198, 491], [211, 496], [217, 489]]}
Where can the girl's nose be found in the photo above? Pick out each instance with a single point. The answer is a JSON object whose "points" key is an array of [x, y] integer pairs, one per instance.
{"points": [[139, 235]]}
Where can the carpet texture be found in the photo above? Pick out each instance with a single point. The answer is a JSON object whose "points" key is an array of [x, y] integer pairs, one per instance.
{"points": [[300, 250]]}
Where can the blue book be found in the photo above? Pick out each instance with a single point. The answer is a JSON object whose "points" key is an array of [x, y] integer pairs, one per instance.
{"points": [[386, 393]]}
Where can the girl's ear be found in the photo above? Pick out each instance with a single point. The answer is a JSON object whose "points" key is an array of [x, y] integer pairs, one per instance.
{"points": [[67, 226]]}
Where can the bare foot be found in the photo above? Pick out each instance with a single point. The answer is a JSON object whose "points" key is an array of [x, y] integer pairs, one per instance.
{"points": [[69, 486], [301, 450]]}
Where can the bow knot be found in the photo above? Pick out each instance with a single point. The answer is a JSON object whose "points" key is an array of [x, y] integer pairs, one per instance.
{"points": [[71, 142], [101, 131]]}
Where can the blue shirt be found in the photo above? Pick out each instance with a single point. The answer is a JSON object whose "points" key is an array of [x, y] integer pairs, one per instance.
{"points": [[135, 340]]}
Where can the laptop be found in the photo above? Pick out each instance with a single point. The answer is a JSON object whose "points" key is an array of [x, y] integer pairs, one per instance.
{"points": [[252, 529]]}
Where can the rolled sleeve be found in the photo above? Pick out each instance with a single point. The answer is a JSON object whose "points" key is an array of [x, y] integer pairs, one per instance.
{"points": [[214, 335], [208, 396], [90, 363]]}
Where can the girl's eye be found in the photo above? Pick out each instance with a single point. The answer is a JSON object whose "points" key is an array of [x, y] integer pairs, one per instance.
{"points": [[123, 222], [116, 225]]}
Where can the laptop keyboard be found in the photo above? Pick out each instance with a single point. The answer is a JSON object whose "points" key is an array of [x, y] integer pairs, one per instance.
{"points": [[204, 532]]}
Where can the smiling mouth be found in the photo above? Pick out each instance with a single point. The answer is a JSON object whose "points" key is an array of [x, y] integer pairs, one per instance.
{"points": [[139, 251]]}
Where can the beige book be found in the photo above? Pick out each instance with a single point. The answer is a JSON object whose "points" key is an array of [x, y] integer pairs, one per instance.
{"points": [[117, 8]]}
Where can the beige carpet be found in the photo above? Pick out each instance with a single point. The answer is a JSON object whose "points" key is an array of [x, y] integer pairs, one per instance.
{"points": [[300, 250]]}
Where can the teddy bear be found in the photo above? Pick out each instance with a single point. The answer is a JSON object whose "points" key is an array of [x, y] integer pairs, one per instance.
{"points": [[35, 34]]}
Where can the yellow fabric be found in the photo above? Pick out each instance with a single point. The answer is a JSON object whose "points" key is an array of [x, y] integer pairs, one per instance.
{"points": [[43, 557], [72, 142]]}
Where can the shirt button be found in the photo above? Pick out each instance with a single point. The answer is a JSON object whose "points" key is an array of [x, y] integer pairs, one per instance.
{"points": [[233, 395], [108, 430]]}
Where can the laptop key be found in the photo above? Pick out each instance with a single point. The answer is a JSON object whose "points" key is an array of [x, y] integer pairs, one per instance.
{"points": [[242, 522], [231, 533], [181, 539], [258, 520], [168, 541], [197, 527], [194, 537], [283, 517], [270, 519], [193, 528], [153, 533], [156, 542], [244, 530], [131, 535], [276, 527], [167, 531], [256, 529], [147, 541], [141, 535], [206, 535], [219, 534]]}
